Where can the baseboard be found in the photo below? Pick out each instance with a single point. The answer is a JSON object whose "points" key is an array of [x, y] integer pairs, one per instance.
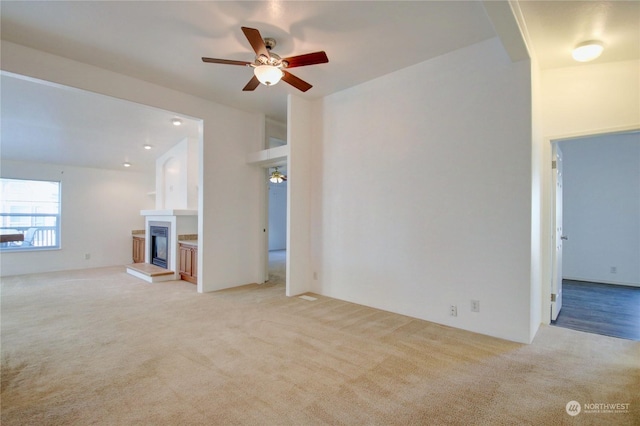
{"points": [[598, 281]]}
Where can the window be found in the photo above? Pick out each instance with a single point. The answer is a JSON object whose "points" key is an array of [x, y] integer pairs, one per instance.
{"points": [[29, 214]]}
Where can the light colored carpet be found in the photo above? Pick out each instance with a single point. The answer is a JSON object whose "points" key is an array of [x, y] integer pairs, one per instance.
{"points": [[103, 347], [277, 266]]}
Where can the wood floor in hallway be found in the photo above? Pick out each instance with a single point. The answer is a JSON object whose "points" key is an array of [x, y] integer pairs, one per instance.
{"points": [[610, 310]]}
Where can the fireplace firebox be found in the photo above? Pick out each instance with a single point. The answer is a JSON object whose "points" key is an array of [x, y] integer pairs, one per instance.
{"points": [[159, 245]]}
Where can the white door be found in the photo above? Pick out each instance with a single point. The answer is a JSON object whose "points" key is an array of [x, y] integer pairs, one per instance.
{"points": [[558, 237]]}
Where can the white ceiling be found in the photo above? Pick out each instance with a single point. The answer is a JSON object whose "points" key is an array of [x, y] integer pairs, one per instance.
{"points": [[49, 123], [163, 42], [556, 27]]}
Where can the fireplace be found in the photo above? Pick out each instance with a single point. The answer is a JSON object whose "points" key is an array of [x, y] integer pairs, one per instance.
{"points": [[163, 228], [159, 245]]}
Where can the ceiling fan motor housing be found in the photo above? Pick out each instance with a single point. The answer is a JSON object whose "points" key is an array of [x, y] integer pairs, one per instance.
{"points": [[270, 43], [274, 60]]}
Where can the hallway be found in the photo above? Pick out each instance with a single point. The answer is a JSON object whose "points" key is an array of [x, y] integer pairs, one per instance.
{"points": [[277, 267], [610, 310]]}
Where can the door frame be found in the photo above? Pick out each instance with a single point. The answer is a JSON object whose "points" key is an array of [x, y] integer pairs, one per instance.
{"points": [[266, 231], [556, 229], [548, 243]]}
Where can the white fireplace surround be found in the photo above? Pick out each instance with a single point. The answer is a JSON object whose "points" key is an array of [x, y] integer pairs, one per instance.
{"points": [[179, 222]]}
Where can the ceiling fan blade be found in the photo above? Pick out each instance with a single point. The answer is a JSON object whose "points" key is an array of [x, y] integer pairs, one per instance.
{"points": [[295, 81], [252, 84], [225, 61], [256, 41], [308, 59]]}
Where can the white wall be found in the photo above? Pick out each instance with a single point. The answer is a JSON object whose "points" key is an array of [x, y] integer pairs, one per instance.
{"points": [[231, 197], [300, 141], [601, 191], [100, 208], [538, 215], [591, 98], [422, 192], [177, 177], [170, 187], [275, 130]]}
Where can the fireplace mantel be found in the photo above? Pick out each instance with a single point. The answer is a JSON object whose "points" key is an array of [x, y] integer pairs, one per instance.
{"points": [[169, 212]]}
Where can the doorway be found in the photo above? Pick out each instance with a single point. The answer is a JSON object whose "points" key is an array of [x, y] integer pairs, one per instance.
{"points": [[277, 235], [600, 218]]}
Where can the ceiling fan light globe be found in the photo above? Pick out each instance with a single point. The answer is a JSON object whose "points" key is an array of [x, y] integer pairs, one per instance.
{"points": [[267, 74]]}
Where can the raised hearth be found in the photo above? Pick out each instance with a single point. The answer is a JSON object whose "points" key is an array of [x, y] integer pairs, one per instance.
{"points": [[150, 273]]}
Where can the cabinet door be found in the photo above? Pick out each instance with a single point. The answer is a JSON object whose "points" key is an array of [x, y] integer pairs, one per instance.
{"points": [[138, 250], [184, 255], [194, 263], [188, 263]]}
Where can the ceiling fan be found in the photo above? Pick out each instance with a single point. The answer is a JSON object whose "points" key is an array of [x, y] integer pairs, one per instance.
{"points": [[277, 177], [269, 68]]}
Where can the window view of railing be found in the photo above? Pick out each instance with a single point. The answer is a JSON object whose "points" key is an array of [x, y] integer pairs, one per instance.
{"points": [[29, 214]]}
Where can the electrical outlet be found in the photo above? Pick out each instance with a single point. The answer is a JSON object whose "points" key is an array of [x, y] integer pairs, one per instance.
{"points": [[315, 275], [87, 256], [453, 310], [475, 306], [614, 270]]}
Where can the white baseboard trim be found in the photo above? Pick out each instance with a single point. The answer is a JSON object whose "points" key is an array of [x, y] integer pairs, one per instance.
{"points": [[599, 281]]}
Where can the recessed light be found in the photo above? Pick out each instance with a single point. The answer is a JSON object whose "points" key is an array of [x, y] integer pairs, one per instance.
{"points": [[176, 122], [126, 164], [588, 51], [147, 146]]}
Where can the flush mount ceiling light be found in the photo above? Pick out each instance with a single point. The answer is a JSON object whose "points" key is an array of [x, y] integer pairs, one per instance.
{"points": [[126, 164], [147, 146], [588, 51], [277, 177], [176, 122]]}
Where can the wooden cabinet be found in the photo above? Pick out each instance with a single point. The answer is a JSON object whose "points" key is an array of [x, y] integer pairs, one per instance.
{"points": [[138, 249], [188, 263]]}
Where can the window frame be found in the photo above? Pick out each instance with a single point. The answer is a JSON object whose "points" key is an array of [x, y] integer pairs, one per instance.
{"points": [[56, 229]]}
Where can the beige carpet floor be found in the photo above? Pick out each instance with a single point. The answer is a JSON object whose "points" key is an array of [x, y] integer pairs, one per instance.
{"points": [[103, 347]]}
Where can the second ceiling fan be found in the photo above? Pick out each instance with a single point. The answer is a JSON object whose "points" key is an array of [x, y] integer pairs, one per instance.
{"points": [[269, 68]]}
